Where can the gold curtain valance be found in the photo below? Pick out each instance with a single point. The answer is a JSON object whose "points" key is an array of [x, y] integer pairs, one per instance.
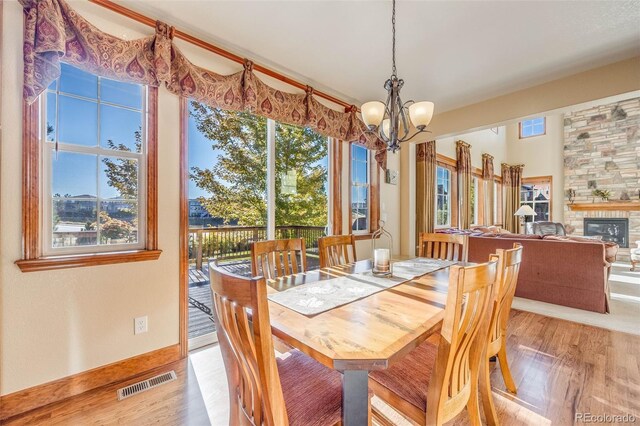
{"points": [[55, 33]]}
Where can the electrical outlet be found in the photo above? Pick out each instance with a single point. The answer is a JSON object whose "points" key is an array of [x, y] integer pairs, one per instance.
{"points": [[140, 325]]}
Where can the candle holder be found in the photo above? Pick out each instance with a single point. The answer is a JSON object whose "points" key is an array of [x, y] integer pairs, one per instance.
{"points": [[381, 250]]}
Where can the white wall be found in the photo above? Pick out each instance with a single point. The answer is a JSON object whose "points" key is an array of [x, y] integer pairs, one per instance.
{"points": [[57, 323], [542, 156]]}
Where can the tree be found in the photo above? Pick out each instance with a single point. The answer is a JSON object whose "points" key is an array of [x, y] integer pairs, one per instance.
{"points": [[237, 181], [122, 173]]}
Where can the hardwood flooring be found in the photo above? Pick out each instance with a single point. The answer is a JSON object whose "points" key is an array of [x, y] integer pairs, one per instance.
{"points": [[561, 368]]}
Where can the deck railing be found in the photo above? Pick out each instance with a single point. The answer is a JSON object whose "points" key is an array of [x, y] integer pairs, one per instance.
{"points": [[232, 242]]}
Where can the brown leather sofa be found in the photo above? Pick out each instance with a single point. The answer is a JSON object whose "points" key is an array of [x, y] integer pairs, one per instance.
{"points": [[555, 270]]}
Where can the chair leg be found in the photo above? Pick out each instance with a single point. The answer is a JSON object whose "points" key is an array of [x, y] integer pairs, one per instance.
{"points": [[473, 407], [504, 368], [487, 397]]}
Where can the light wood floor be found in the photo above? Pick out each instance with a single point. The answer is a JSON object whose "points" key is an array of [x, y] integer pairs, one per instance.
{"points": [[561, 368]]}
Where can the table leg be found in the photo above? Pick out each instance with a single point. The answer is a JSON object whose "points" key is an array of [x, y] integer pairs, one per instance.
{"points": [[355, 398]]}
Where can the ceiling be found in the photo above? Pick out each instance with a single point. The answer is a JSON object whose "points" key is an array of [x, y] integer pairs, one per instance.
{"points": [[454, 53]]}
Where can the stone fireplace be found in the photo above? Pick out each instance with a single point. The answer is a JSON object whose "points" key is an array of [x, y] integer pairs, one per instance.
{"points": [[602, 151], [615, 230]]}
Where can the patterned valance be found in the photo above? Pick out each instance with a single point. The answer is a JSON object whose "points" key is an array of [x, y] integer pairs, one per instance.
{"points": [[54, 32], [487, 167]]}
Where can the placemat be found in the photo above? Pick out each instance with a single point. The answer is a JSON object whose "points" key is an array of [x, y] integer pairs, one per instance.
{"points": [[317, 297]]}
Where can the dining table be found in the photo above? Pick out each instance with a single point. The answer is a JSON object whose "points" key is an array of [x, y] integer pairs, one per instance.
{"points": [[367, 334]]}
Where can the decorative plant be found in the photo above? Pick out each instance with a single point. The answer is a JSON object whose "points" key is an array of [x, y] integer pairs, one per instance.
{"points": [[604, 194]]}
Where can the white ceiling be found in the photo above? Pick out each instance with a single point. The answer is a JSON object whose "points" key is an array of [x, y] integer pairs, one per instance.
{"points": [[451, 52]]}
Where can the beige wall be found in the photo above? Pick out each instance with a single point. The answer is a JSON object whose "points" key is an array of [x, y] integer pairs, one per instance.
{"points": [[57, 323], [542, 156]]}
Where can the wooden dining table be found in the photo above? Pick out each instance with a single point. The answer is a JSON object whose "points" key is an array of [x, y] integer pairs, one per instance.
{"points": [[368, 334]]}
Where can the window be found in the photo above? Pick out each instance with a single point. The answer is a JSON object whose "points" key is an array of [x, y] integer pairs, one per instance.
{"points": [[97, 173], [443, 197], [536, 192], [533, 127], [474, 201], [360, 189], [93, 161], [497, 203]]}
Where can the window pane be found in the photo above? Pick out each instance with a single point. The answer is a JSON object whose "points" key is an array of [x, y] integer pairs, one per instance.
{"points": [[358, 153], [78, 121], [301, 187], [542, 211], [117, 92], [74, 175], [120, 128], [73, 222], [359, 172], [77, 82], [118, 178], [538, 129], [51, 116], [118, 222]]}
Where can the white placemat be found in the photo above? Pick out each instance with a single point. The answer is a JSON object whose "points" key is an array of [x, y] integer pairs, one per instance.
{"points": [[314, 298]]}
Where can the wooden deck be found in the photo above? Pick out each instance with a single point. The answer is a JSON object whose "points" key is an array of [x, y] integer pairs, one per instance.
{"points": [[200, 320]]}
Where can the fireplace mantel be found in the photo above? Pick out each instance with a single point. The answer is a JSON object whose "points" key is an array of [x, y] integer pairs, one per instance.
{"points": [[607, 206]]}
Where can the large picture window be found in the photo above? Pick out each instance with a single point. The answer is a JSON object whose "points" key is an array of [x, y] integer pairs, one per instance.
{"points": [[360, 189], [443, 197], [93, 164]]}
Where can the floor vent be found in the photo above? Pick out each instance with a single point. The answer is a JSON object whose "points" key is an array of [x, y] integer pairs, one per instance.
{"points": [[144, 385]]}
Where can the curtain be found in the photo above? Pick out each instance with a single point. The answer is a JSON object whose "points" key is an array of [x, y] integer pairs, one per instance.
{"points": [[425, 187], [54, 32], [463, 164], [511, 183], [487, 177]]}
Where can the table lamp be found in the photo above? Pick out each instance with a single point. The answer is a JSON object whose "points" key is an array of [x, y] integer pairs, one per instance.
{"points": [[525, 210]]}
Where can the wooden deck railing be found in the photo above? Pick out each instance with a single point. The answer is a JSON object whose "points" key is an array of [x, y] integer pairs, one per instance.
{"points": [[232, 242]]}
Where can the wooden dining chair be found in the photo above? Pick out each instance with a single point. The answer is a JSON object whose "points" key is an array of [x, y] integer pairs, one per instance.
{"points": [[295, 390], [443, 246], [334, 250], [508, 270], [438, 379], [277, 258]]}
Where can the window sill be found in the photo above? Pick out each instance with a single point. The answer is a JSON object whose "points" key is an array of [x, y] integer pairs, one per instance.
{"points": [[81, 260]]}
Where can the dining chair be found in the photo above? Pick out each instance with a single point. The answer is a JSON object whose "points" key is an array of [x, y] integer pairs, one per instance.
{"points": [[276, 258], [439, 378], [334, 250], [443, 246], [508, 270], [294, 390]]}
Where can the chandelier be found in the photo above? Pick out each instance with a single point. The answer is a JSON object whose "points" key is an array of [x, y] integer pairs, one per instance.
{"points": [[389, 120]]}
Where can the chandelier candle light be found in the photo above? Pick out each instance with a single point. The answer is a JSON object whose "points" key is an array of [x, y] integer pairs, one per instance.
{"points": [[389, 120]]}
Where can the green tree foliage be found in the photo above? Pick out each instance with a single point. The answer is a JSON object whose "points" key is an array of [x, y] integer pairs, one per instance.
{"points": [[122, 173], [237, 181]]}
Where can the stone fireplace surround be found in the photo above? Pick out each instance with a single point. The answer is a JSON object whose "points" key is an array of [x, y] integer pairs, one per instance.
{"points": [[602, 150]]}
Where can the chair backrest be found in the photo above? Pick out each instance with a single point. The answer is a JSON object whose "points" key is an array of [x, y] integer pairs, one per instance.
{"points": [[334, 250], [277, 258], [546, 228], [466, 317], [444, 246], [255, 390], [508, 270]]}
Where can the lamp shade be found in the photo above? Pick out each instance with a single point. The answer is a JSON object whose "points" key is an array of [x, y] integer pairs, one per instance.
{"points": [[372, 113], [421, 113], [525, 210]]}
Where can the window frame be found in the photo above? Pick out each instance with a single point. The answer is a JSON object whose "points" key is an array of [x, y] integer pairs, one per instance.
{"points": [[373, 209], [451, 165], [539, 180], [449, 198], [544, 128], [33, 258]]}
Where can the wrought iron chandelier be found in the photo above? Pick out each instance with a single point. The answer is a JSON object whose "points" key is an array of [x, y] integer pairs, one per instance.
{"points": [[389, 120]]}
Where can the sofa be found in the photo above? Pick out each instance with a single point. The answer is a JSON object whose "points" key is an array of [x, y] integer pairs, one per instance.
{"points": [[564, 271]]}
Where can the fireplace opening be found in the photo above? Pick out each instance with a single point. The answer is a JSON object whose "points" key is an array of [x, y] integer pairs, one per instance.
{"points": [[614, 230]]}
